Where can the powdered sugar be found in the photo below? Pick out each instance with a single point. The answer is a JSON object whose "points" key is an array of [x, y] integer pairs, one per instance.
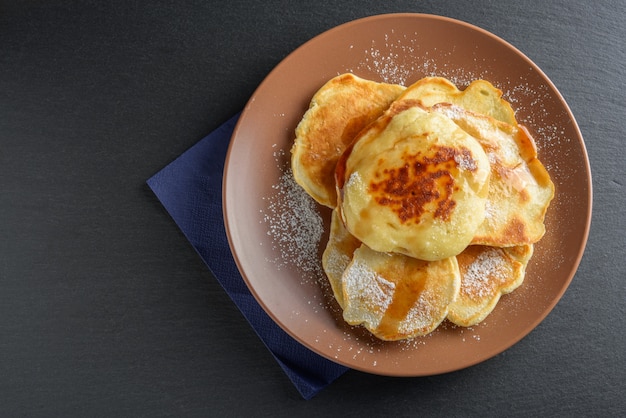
{"points": [[465, 161], [420, 316], [398, 59], [294, 223], [388, 62], [487, 269], [369, 293]]}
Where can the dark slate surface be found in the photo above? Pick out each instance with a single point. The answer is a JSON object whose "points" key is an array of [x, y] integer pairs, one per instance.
{"points": [[106, 309]]}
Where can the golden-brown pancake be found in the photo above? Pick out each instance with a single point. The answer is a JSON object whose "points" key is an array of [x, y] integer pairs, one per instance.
{"points": [[337, 112], [338, 254], [398, 297], [487, 273], [480, 97], [413, 183], [520, 189]]}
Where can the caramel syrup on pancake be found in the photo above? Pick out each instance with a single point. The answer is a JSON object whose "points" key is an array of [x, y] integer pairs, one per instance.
{"points": [[405, 296]]}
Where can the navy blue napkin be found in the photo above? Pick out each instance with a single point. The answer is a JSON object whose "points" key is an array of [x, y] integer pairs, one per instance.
{"points": [[190, 189]]}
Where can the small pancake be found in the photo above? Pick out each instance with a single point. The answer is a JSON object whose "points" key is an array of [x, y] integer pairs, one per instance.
{"points": [[413, 183], [480, 97], [487, 273], [338, 111], [398, 297], [520, 189], [338, 254]]}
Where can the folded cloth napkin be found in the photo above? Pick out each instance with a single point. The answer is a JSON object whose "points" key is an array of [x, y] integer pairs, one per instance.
{"points": [[190, 189]]}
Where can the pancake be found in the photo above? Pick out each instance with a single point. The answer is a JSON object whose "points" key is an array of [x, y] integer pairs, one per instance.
{"points": [[487, 273], [480, 97], [520, 189], [338, 254], [398, 297], [338, 111], [413, 183]]}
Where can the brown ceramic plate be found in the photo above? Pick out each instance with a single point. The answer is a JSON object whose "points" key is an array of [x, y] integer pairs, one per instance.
{"points": [[277, 235]]}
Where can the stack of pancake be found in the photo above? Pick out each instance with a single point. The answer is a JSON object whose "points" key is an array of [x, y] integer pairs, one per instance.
{"points": [[437, 196]]}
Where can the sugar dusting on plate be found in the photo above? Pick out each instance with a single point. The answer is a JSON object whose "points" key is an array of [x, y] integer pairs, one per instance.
{"points": [[294, 223], [399, 60]]}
